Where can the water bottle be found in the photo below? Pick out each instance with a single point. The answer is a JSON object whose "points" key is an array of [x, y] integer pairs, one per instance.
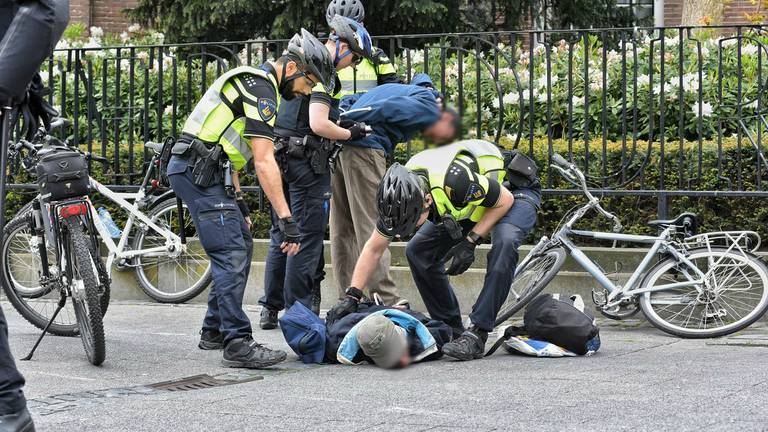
{"points": [[106, 219]]}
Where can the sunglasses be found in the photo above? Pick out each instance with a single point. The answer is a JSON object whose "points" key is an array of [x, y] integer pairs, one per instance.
{"points": [[312, 83]]}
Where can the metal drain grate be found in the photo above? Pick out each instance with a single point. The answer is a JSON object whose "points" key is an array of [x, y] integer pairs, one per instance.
{"points": [[199, 382]]}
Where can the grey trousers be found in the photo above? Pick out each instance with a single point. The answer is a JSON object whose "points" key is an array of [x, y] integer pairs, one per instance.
{"points": [[353, 218]]}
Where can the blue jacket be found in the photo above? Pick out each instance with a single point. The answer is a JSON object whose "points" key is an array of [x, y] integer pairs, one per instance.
{"points": [[426, 336], [396, 112]]}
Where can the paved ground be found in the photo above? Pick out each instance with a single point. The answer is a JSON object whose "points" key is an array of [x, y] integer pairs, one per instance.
{"points": [[641, 380]]}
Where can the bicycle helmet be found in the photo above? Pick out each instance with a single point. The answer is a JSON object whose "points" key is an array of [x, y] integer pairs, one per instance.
{"points": [[354, 34], [312, 57], [400, 200], [347, 8]]}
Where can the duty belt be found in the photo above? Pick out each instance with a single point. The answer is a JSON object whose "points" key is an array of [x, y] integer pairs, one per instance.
{"points": [[319, 152]]}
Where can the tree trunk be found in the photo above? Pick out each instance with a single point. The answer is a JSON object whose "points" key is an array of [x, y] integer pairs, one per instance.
{"points": [[703, 12]]}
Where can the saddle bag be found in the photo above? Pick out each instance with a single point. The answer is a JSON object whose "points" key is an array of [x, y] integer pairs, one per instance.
{"points": [[62, 173], [521, 170]]}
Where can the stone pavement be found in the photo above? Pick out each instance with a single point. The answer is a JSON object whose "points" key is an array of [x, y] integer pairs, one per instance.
{"points": [[641, 379]]}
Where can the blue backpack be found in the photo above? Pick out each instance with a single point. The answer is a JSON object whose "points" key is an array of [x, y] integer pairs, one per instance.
{"points": [[304, 332]]}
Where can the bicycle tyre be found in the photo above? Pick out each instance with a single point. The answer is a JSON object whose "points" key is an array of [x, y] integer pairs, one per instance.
{"points": [[20, 301], [660, 268], [87, 302], [542, 268], [165, 215]]}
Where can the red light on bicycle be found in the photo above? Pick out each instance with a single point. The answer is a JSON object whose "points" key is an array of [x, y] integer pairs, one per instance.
{"points": [[155, 183], [73, 210], [157, 162]]}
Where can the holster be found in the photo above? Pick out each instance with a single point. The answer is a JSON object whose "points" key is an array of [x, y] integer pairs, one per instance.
{"points": [[206, 160], [316, 150], [521, 171]]}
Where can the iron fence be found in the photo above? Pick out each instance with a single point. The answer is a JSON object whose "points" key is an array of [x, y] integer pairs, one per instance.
{"points": [[645, 111]]}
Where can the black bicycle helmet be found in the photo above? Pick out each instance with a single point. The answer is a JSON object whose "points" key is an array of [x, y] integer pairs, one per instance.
{"points": [[347, 8], [400, 200], [353, 33], [312, 57]]}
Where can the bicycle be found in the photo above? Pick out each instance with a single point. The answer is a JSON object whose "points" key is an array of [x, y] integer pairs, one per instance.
{"points": [[701, 285], [169, 263]]}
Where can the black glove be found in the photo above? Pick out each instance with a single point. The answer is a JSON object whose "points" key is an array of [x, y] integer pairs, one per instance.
{"points": [[463, 255], [344, 307], [243, 206], [289, 230], [357, 130]]}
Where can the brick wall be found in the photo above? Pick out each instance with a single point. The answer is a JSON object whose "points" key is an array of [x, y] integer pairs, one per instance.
{"points": [[107, 14]]}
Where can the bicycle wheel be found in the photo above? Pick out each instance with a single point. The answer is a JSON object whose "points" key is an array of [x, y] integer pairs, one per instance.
{"points": [[530, 280], [734, 295], [85, 293], [21, 270], [169, 279]]}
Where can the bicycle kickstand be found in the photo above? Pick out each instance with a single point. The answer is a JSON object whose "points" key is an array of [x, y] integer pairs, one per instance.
{"points": [[62, 302]]}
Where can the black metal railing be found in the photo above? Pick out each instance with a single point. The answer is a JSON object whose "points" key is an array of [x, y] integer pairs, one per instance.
{"points": [[645, 111]]}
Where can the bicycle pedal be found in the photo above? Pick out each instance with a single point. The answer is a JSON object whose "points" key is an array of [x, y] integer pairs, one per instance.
{"points": [[599, 298]]}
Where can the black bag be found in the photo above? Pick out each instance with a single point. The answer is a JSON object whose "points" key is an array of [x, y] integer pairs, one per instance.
{"points": [[564, 322], [521, 170], [561, 321], [62, 173]]}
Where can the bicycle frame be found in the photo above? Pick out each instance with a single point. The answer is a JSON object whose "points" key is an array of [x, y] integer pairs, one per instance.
{"points": [[173, 242], [660, 243]]}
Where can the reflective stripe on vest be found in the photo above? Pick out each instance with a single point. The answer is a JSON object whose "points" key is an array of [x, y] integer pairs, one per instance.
{"points": [[435, 163], [359, 79], [208, 122]]}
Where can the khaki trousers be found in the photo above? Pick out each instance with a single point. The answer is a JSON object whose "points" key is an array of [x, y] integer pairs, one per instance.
{"points": [[354, 184]]}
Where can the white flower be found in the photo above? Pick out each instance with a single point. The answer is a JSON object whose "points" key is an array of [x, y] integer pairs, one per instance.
{"points": [[168, 110], [62, 45], [168, 62], [704, 52], [643, 80], [43, 75], [596, 86], [752, 104], [143, 56], [539, 49], [578, 101], [500, 46], [542, 97], [612, 56], [133, 28], [691, 82], [706, 109], [672, 41], [511, 98], [728, 43], [628, 46], [542, 82], [749, 49], [511, 137], [124, 37], [97, 32], [92, 43], [495, 102]]}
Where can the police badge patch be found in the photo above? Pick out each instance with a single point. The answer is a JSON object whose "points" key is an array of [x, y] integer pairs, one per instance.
{"points": [[267, 109], [474, 192]]}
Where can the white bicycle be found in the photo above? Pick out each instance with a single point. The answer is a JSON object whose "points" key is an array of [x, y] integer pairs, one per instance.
{"points": [[169, 263]]}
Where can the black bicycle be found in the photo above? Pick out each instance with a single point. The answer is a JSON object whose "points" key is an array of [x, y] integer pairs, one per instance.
{"points": [[64, 241]]}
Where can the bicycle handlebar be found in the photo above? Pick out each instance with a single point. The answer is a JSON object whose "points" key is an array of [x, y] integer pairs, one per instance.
{"points": [[561, 161]]}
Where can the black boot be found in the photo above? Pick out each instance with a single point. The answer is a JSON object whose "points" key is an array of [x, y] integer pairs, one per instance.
{"points": [[469, 346], [316, 299], [19, 421], [211, 340], [268, 319], [247, 353]]}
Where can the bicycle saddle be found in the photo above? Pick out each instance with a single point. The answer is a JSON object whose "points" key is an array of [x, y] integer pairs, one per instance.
{"points": [[688, 221]]}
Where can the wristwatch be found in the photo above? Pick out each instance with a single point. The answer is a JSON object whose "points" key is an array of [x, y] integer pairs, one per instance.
{"points": [[354, 293], [475, 238]]}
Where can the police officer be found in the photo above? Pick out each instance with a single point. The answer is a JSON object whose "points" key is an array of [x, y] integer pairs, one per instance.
{"points": [[455, 196], [307, 132], [371, 72], [28, 33], [233, 122]]}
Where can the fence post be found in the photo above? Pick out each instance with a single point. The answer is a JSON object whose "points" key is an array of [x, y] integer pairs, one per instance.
{"points": [[662, 210]]}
